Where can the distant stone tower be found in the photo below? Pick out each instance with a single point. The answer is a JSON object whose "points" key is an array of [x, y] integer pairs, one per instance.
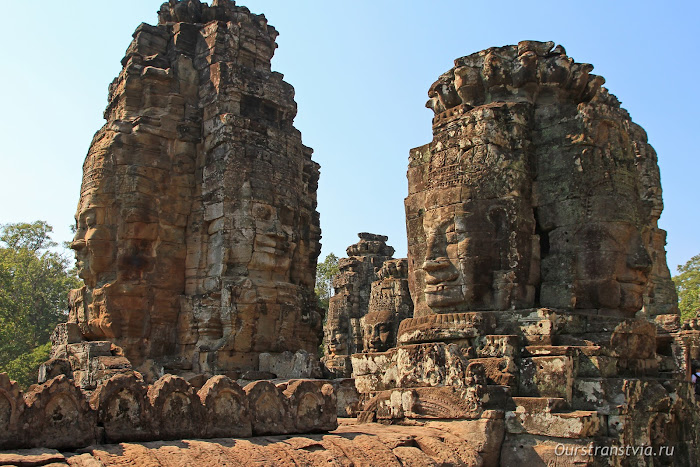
{"points": [[197, 230], [342, 333]]}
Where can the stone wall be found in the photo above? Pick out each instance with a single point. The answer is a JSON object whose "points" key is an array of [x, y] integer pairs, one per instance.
{"points": [[57, 414], [197, 230]]}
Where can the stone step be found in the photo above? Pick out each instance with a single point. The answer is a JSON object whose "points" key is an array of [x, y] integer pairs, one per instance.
{"points": [[541, 404], [577, 424]]}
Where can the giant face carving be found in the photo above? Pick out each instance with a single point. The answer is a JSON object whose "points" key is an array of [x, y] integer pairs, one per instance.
{"points": [[537, 190], [93, 245], [379, 330]]}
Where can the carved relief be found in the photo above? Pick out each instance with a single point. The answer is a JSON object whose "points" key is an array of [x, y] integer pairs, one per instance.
{"points": [[196, 230]]}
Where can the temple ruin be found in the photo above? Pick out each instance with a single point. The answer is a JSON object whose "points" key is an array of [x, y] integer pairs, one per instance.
{"points": [[353, 286], [537, 271], [534, 321], [197, 230]]}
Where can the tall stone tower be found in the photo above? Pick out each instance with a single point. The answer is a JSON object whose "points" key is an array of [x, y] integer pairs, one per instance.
{"points": [[197, 230]]}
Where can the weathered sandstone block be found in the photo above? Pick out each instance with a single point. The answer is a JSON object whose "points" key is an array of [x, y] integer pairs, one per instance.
{"points": [[176, 408], [58, 416], [226, 411], [123, 410], [311, 408], [268, 408], [11, 413]]}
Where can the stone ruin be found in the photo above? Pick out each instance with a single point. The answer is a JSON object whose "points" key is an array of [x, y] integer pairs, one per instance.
{"points": [[342, 331], [57, 414], [197, 233], [389, 304], [533, 319], [544, 309]]}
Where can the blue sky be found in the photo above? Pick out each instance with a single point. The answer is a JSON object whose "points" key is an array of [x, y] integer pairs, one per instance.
{"points": [[361, 71]]}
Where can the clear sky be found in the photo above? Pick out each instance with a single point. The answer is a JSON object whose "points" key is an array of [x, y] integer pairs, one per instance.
{"points": [[361, 71]]}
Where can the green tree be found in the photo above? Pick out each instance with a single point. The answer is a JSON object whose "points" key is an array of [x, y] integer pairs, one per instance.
{"points": [[325, 272], [688, 287], [34, 285]]}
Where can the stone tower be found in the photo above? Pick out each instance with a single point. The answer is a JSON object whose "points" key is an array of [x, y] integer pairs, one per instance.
{"points": [[197, 230], [342, 333], [544, 309], [537, 190]]}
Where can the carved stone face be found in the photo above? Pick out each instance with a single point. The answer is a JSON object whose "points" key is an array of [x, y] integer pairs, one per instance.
{"points": [[471, 254], [613, 270], [274, 242], [338, 344], [93, 244], [379, 330]]}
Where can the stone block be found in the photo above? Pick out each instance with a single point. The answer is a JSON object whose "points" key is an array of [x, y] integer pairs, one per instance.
{"points": [[485, 436], [312, 409], [547, 377], [499, 371], [268, 409], [578, 424], [177, 411], [634, 339], [66, 333], [603, 395], [58, 416], [446, 327], [123, 409], [226, 410], [288, 365], [523, 449], [498, 346], [426, 403], [11, 413], [540, 404], [347, 396]]}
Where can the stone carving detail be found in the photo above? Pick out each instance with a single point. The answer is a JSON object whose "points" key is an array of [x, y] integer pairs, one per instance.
{"points": [[226, 408], [537, 190], [269, 410], [177, 411], [123, 408], [11, 411], [389, 303], [537, 270], [58, 416], [197, 231], [342, 333]]}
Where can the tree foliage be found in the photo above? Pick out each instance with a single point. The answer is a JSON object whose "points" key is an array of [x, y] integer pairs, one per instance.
{"points": [[34, 285], [325, 271], [688, 287]]}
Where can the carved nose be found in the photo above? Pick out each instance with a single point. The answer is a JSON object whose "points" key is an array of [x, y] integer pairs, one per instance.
{"points": [[435, 264], [77, 245]]}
